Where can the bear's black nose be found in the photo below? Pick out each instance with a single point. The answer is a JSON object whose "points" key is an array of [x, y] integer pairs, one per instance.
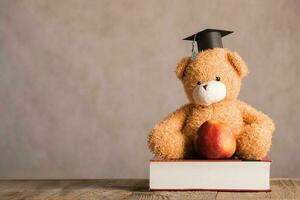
{"points": [[204, 86]]}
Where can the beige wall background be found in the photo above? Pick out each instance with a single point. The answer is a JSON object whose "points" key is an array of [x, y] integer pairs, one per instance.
{"points": [[82, 82]]}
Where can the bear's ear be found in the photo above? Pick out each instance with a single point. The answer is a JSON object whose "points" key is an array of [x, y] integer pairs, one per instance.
{"points": [[238, 64], [181, 67]]}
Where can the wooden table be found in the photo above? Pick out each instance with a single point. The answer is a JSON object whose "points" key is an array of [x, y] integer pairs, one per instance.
{"points": [[129, 189]]}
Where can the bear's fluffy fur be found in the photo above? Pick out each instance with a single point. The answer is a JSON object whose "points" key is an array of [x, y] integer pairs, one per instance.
{"points": [[173, 137]]}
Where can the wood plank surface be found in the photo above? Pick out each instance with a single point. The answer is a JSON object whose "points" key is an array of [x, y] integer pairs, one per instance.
{"points": [[129, 189]]}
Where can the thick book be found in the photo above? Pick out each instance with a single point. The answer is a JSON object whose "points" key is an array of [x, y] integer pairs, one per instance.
{"points": [[214, 175]]}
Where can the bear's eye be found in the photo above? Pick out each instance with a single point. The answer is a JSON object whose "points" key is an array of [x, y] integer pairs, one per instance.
{"points": [[198, 83], [218, 78]]}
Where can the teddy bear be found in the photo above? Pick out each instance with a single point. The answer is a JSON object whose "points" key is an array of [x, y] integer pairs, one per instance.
{"points": [[212, 82]]}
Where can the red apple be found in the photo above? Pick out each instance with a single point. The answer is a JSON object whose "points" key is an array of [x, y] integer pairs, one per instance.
{"points": [[215, 140]]}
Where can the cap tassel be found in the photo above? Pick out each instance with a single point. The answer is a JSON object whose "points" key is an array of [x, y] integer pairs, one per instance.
{"points": [[194, 52]]}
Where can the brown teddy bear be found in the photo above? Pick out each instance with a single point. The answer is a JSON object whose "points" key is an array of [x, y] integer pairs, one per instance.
{"points": [[212, 82]]}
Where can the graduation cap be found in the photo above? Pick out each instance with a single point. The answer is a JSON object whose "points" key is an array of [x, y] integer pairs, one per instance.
{"points": [[208, 38]]}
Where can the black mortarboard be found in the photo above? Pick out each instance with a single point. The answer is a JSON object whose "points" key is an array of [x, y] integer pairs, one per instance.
{"points": [[208, 38]]}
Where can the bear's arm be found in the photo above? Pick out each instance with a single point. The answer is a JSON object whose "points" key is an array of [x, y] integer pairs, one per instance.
{"points": [[166, 140], [255, 139]]}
